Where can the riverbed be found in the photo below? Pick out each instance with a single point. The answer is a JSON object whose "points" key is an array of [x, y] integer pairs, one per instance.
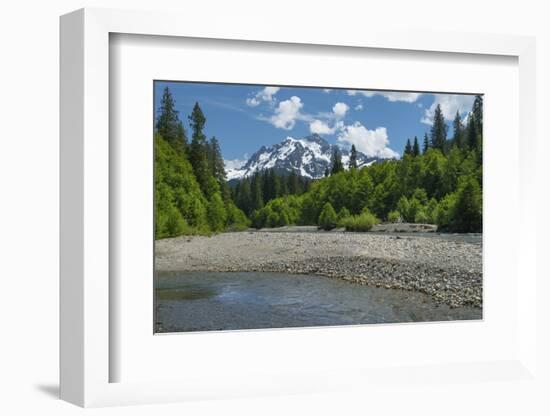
{"points": [[206, 301], [446, 267]]}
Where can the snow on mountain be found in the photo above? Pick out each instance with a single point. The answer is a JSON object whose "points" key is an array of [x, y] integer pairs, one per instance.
{"points": [[308, 157]]}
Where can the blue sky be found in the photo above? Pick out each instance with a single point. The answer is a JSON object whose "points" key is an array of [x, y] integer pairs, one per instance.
{"points": [[245, 117]]}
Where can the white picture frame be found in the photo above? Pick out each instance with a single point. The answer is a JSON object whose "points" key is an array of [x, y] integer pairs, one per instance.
{"points": [[86, 356]]}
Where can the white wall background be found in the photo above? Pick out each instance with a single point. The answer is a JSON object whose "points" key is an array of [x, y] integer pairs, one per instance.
{"points": [[29, 116]]}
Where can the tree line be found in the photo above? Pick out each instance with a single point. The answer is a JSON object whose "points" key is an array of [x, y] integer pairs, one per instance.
{"points": [[438, 184], [191, 191]]}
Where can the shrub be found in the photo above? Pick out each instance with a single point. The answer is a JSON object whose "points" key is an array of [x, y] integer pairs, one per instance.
{"points": [[394, 216], [361, 222], [236, 219], [342, 214], [328, 218], [216, 213], [174, 224], [421, 217]]}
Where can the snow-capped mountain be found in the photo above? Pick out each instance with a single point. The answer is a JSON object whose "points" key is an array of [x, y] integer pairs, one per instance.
{"points": [[308, 157]]}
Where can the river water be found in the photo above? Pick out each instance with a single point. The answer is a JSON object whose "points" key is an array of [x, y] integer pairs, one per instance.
{"points": [[206, 301]]}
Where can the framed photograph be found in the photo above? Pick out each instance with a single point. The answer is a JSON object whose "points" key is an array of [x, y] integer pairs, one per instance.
{"points": [[278, 212]]}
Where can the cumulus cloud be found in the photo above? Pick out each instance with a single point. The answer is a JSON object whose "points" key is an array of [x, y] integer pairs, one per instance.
{"points": [[373, 143], [358, 107], [408, 97], [450, 104], [340, 109], [286, 113], [328, 123], [320, 127], [265, 95]]}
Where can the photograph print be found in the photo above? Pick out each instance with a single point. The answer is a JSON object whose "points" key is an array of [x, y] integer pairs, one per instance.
{"points": [[293, 207]]}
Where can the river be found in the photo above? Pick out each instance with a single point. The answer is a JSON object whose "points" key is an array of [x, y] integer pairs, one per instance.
{"points": [[206, 301]]}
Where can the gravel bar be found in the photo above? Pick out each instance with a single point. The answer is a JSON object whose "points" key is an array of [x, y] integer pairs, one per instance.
{"points": [[449, 271]]}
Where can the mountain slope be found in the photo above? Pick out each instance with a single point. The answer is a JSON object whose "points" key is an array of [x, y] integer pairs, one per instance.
{"points": [[308, 157]]}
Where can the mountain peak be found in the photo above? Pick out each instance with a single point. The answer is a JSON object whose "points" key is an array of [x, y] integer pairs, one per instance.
{"points": [[308, 157]]}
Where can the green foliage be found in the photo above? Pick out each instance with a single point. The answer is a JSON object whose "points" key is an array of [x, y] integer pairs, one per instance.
{"points": [[198, 152], [394, 216], [416, 147], [426, 144], [343, 213], [216, 213], [337, 165], [361, 222], [168, 124], [236, 220], [191, 193], [439, 130], [408, 148], [467, 210], [278, 212], [328, 218]]}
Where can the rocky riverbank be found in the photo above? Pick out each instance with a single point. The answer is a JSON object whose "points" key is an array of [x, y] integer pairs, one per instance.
{"points": [[449, 270]]}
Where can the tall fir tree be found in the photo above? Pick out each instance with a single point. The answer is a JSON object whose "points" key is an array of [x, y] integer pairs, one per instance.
{"points": [[439, 130], [199, 147], [472, 133], [256, 196], [408, 148], [477, 110], [217, 166], [416, 147], [168, 124], [244, 196], [426, 145], [458, 130], [337, 165], [353, 158]]}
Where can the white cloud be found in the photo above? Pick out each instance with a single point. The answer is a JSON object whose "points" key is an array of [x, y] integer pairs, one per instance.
{"points": [[265, 95], [327, 90], [286, 113], [340, 109], [320, 127], [358, 107], [370, 142], [449, 103], [408, 97]]}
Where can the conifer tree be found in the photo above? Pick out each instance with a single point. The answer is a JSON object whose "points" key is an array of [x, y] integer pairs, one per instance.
{"points": [[416, 147], [457, 130], [244, 197], [293, 183], [328, 218], [477, 110], [353, 158], [168, 124], [327, 172], [439, 130], [217, 166], [198, 149], [426, 145], [472, 133], [256, 197], [408, 148], [337, 165]]}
